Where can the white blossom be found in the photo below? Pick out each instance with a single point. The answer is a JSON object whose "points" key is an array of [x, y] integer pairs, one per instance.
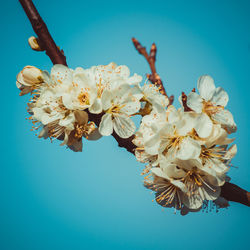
{"points": [[212, 102], [119, 105], [187, 151], [29, 79], [174, 138], [152, 95]]}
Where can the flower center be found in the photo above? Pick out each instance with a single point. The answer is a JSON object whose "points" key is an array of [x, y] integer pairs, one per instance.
{"points": [[208, 153], [193, 177], [173, 142], [84, 130], [100, 88], [210, 109], [83, 98], [115, 109]]}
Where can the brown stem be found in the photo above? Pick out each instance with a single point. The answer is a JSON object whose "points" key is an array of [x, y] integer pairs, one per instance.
{"points": [[184, 102], [232, 192], [151, 59], [229, 191], [40, 28]]}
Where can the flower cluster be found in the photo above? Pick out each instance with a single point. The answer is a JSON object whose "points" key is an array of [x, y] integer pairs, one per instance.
{"points": [[186, 150], [64, 98]]}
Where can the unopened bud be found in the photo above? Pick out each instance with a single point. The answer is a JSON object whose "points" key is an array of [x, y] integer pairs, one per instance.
{"points": [[34, 44], [29, 76]]}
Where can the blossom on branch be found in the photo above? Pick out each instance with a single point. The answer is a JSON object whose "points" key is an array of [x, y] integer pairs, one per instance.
{"points": [[212, 102], [186, 150], [29, 79]]}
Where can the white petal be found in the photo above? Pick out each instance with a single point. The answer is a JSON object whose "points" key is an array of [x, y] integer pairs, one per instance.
{"points": [[68, 121], [172, 114], [111, 66], [152, 146], [203, 125], [46, 118], [135, 93], [217, 180], [231, 152], [193, 201], [154, 141], [80, 77], [106, 125], [122, 70], [61, 74], [223, 139], [20, 80], [144, 157], [159, 172], [206, 87], [220, 97], [154, 118], [135, 79], [67, 100], [218, 136], [131, 108], [65, 140], [179, 184], [44, 133], [18, 84], [225, 118], [187, 164], [96, 107], [194, 101], [216, 165], [124, 126], [210, 193], [172, 170], [121, 93], [186, 123], [189, 149], [106, 99]]}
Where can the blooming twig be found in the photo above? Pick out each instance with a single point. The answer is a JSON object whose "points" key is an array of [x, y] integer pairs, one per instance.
{"points": [[151, 59], [229, 191]]}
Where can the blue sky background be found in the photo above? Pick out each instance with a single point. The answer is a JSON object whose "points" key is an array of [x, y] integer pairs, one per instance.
{"points": [[52, 198]]}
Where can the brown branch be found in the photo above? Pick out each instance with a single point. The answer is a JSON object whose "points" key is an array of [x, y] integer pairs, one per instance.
{"points": [[151, 59], [44, 37], [229, 191], [232, 192]]}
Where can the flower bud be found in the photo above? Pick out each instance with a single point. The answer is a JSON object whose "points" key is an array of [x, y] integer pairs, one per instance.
{"points": [[29, 76], [34, 44]]}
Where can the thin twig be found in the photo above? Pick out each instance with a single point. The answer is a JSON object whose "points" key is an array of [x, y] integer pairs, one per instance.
{"points": [[229, 191], [151, 59], [40, 28]]}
